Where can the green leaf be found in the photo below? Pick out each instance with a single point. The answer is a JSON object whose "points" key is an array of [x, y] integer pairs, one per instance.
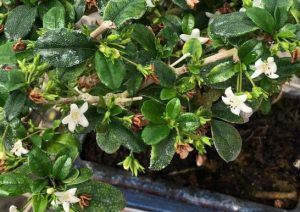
{"points": [[62, 167], [168, 93], [145, 37], [14, 184], [165, 74], [227, 140], [221, 73], [16, 80], [104, 197], [64, 48], [14, 105], [181, 3], [120, 11], [232, 25], [262, 18], [85, 174], [3, 95], [285, 69], [271, 5], [111, 73], [45, 6], [54, 19], [39, 163], [221, 111], [153, 133], [250, 51], [194, 47], [117, 135], [162, 153], [173, 108], [281, 16], [134, 83], [188, 122], [153, 111], [39, 203], [19, 22], [188, 23]]}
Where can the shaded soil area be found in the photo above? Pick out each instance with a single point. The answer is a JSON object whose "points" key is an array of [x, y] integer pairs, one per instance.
{"points": [[263, 172]]}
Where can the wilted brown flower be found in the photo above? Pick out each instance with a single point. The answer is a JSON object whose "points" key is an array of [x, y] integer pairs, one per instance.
{"points": [[138, 122], [183, 150], [295, 56], [36, 96], [19, 46], [88, 82], [1, 28], [84, 200], [2, 166], [200, 160], [192, 3], [226, 8], [91, 4]]}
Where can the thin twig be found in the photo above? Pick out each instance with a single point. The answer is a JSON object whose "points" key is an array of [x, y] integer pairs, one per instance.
{"points": [[106, 25]]}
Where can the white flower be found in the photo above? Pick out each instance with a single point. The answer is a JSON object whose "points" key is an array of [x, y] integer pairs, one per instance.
{"points": [[66, 198], [13, 208], [76, 117], [268, 68], [150, 3], [195, 34], [212, 16], [258, 3], [18, 149], [236, 103]]}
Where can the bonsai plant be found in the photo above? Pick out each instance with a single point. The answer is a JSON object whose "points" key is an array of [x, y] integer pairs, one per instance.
{"points": [[140, 74]]}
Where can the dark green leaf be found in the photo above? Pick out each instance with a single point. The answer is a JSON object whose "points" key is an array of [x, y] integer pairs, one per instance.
{"points": [[227, 140], [64, 48], [145, 37], [250, 51], [232, 25], [153, 133], [162, 153], [85, 174], [221, 111], [188, 122], [168, 93], [181, 3], [262, 18], [165, 74], [111, 73], [39, 203], [14, 184], [173, 108], [221, 73], [120, 11], [281, 16], [14, 105], [54, 19], [188, 23], [3, 95], [19, 22], [62, 167], [153, 111], [39, 163]]}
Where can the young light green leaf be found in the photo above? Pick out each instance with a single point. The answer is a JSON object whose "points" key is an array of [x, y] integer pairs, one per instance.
{"points": [[173, 108], [193, 47], [168, 93], [155, 133], [227, 140], [39, 203], [120, 11], [221, 73], [111, 73], [54, 19], [262, 18], [62, 167], [153, 111], [188, 23], [19, 22]]}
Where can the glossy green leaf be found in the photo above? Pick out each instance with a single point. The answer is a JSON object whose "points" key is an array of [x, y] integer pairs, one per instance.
{"points": [[227, 140], [153, 111], [85, 174], [155, 133], [14, 105], [193, 46], [39, 163], [62, 167], [188, 23], [111, 73], [262, 18], [165, 74], [64, 48], [54, 19], [221, 73], [232, 25], [162, 153], [39, 203], [173, 108], [188, 122], [281, 16], [181, 3], [19, 22], [222, 111], [250, 51], [13, 184], [120, 11], [168, 93], [145, 37], [4, 93]]}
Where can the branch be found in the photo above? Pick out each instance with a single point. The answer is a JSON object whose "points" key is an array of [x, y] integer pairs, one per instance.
{"points": [[106, 25]]}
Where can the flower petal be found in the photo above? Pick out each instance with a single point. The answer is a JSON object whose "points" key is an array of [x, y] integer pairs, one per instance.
{"points": [[209, 15], [66, 206], [226, 100], [242, 98], [256, 73], [84, 107], [203, 40], [195, 33], [185, 37], [72, 191], [72, 125], [245, 108], [74, 108], [228, 92], [273, 76], [83, 121], [235, 110], [259, 63], [67, 119]]}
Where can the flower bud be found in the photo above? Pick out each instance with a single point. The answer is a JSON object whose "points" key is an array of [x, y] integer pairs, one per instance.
{"points": [[50, 190]]}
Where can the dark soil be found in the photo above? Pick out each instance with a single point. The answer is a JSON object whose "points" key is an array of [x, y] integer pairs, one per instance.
{"points": [[263, 172]]}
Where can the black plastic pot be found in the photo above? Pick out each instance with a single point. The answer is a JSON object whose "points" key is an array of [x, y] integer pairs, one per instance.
{"points": [[144, 194]]}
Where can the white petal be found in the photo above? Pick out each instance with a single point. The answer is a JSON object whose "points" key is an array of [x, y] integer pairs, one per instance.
{"points": [[74, 108], [209, 15], [225, 100], [59, 194], [235, 110], [259, 63], [72, 126], [203, 40], [150, 3], [67, 119], [228, 92], [72, 191], [83, 121], [195, 33], [84, 107], [273, 67], [242, 9], [74, 199], [270, 59], [66, 206], [24, 151], [185, 37], [246, 108], [242, 98], [256, 73], [13, 208], [273, 76]]}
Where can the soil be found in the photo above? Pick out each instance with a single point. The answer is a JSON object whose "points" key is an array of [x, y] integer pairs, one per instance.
{"points": [[263, 172]]}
